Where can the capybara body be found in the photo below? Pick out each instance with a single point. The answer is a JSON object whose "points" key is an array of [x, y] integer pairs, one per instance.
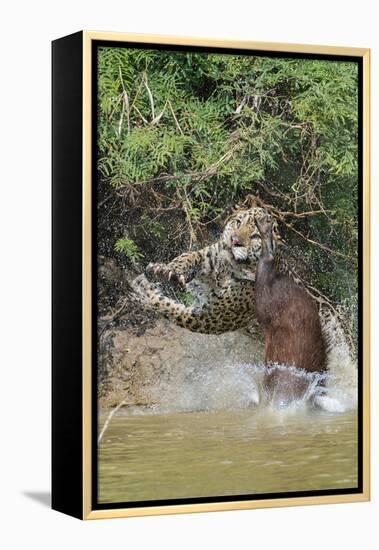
{"points": [[291, 324]]}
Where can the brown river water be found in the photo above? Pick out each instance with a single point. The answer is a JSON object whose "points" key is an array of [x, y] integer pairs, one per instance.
{"points": [[146, 456]]}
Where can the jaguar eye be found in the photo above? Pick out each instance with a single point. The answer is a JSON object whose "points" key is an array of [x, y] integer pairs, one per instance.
{"points": [[255, 236], [238, 223]]}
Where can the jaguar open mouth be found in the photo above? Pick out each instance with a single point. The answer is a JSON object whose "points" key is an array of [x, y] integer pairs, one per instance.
{"points": [[235, 241]]}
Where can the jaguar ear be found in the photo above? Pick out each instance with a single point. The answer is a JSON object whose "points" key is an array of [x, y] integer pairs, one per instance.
{"points": [[229, 212], [251, 201]]}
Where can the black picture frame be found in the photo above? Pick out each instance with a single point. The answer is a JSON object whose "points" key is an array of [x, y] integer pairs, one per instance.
{"points": [[74, 293]]}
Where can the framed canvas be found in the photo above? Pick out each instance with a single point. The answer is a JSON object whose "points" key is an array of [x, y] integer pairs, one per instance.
{"points": [[210, 275]]}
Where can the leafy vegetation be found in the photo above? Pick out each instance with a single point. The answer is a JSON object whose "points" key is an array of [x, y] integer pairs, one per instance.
{"points": [[184, 136], [128, 247]]}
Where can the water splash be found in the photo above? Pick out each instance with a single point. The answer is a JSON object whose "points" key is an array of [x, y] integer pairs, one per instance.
{"points": [[218, 387], [342, 379], [219, 384], [241, 386]]}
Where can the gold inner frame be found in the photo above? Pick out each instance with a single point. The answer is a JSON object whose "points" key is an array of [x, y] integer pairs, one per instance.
{"points": [[364, 54]]}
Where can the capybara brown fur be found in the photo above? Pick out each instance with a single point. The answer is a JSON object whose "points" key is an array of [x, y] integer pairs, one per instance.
{"points": [[291, 324]]}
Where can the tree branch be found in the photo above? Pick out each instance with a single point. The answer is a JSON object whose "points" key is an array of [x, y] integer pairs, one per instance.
{"points": [[109, 418], [281, 216]]}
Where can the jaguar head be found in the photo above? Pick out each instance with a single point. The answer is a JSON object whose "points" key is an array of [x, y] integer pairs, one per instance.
{"points": [[242, 237]]}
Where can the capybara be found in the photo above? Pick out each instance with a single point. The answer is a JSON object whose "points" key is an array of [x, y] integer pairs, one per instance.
{"points": [[291, 324]]}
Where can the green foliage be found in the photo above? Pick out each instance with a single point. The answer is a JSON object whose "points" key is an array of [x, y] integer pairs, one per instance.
{"points": [[154, 228], [129, 248], [185, 298], [198, 132]]}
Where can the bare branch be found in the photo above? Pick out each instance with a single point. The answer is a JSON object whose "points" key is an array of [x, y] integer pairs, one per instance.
{"points": [[282, 217], [240, 106], [186, 205], [192, 176], [151, 99], [108, 419], [140, 114], [120, 122], [158, 117], [126, 107], [127, 110], [137, 93], [114, 315], [174, 116], [306, 214], [316, 243]]}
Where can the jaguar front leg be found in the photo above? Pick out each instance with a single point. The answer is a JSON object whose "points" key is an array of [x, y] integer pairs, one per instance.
{"points": [[180, 270], [165, 271]]}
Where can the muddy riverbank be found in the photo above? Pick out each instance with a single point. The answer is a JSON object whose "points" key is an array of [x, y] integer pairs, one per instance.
{"points": [[144, 364]]}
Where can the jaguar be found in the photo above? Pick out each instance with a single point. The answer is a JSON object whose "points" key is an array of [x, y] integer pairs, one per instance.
{"points": [[220, 278]]}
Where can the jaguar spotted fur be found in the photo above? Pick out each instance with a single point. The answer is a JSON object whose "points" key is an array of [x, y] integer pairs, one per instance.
{"points": [[220, 277]]}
